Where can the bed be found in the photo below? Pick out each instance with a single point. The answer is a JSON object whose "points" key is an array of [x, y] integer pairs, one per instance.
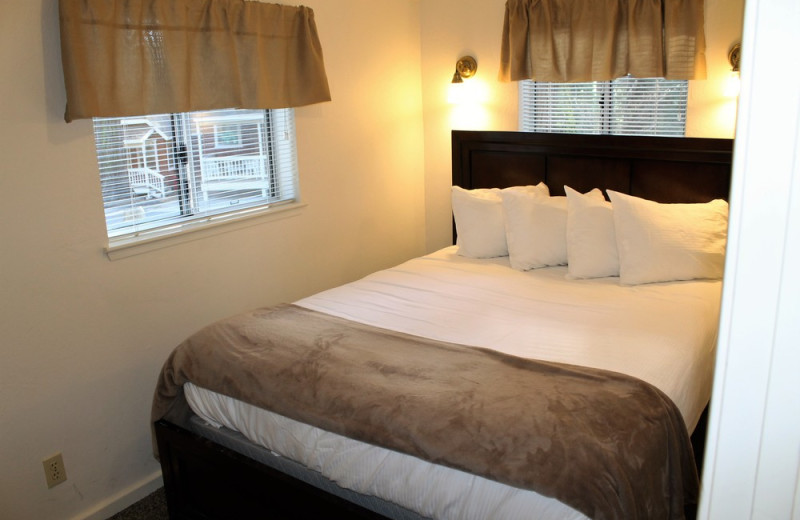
{"points": [[223, 457]]}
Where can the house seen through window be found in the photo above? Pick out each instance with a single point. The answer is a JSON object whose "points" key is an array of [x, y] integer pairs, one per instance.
{"points": [[162, 173], [624, 106]]}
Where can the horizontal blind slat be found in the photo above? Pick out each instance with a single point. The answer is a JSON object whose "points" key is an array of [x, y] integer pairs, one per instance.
{"points": [[627, 106]]}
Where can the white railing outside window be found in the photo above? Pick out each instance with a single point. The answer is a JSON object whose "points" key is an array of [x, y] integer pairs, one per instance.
{"points": [[222, 174]]}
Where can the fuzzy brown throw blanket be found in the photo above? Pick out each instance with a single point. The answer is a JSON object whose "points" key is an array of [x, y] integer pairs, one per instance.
{"points": [[606, 444]]}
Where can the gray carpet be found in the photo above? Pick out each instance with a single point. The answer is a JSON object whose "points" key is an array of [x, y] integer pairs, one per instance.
{"points": [[151, 507]]}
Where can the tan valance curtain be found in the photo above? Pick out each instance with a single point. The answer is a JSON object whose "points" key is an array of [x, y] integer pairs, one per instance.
{"points": [[137, 57], [599, 40]]}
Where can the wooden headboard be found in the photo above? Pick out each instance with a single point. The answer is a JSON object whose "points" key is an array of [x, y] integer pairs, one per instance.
{"points": [[664, 169]]}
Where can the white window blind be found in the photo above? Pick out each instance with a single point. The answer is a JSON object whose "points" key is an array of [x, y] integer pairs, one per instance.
{"points": [[163, 173], [625, 106]]}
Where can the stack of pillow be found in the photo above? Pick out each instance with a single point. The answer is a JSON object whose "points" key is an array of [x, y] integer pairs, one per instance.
{"points": [[638, 240]]}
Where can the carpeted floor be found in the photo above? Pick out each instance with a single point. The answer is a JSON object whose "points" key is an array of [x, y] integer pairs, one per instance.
{"points": [[151, 507]]}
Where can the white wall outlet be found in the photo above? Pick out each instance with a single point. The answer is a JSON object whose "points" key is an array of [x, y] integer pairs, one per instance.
{"points": [[54, 471]]}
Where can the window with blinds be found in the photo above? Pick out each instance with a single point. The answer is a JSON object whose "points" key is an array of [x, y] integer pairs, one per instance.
{"points": [[161, 174], [625, 106]]}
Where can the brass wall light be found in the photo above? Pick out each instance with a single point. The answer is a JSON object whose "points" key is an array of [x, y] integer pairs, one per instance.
{"points": [[732, 85], [465, 68], [734, 55]]}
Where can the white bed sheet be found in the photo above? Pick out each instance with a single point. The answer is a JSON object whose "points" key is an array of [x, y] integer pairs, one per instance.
{"points": [[664, 334]]}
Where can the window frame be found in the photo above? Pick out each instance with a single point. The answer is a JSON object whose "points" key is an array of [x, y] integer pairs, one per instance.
{"points": [[661, 94], [277, 193]]}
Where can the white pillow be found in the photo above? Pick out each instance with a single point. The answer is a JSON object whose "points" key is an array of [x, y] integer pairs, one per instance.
{"points": [[591, 241], [536, 229], [479, 219], [666, 242]]}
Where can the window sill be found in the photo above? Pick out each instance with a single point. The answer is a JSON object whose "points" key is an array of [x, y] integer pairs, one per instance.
{"points": [[148, 242]]}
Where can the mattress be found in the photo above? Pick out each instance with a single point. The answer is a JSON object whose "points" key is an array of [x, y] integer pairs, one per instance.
{"points": [[663, 334]]}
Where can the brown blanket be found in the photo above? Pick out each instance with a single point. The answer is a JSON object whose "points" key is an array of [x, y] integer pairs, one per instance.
{"points": [[604, 443]]}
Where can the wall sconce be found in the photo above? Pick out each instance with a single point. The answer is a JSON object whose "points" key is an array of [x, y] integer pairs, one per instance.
{"points": [[467, 99], [732, 84], [734, 54], [466, 67]]}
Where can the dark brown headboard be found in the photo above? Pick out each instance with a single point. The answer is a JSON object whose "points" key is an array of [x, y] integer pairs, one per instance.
{"points": [[664, 169]]}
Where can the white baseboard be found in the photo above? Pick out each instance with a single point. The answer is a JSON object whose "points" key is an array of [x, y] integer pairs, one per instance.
{"points": [[123, 499]]}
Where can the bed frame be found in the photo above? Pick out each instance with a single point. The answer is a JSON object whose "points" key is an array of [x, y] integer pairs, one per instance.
{"points": [[204, 480], [663, 169]]}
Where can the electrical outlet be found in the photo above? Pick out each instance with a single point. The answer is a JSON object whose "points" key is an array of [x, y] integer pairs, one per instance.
{"points": [[54, 471]]}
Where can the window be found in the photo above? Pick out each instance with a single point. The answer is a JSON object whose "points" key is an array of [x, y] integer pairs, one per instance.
{"points": [[228, 135], [161, 174], [625, 106]]}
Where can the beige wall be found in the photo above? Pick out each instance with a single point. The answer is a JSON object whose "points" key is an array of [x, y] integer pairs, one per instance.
{"points": [[453, 28], [82, 337]]}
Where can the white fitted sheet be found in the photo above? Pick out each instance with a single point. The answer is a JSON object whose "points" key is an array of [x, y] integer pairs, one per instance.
{"points": [[661, 333]]}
